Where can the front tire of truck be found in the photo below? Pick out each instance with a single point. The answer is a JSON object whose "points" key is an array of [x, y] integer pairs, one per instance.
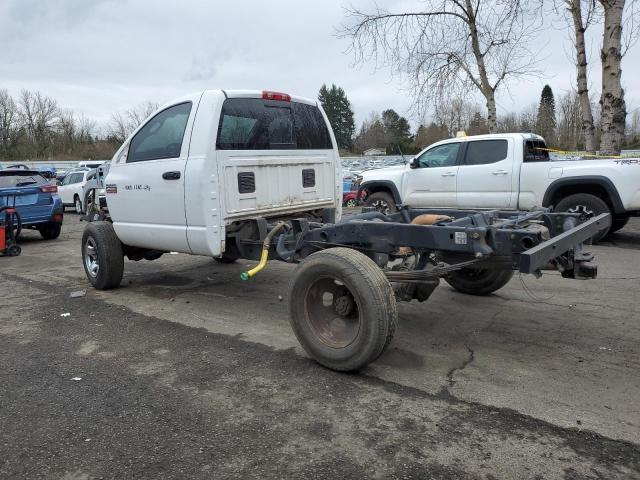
{"points": [[342, 308], [587, 205], [478, 281], [102, 255], [383, 202]]}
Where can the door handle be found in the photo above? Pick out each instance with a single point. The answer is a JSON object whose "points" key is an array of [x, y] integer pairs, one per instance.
{"points": [[449, 174], [171, 175], [500, 172]]}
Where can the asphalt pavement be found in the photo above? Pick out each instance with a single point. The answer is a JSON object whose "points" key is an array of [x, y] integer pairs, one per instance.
{"points": [[187, 372]]}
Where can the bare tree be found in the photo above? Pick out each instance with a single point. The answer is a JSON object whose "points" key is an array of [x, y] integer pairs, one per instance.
{"points": [[122, 124], [570, 129], [9, 123], [612, 103], [582, 13], [448, 47], [39, 114], [66, 128], [456, 114]]}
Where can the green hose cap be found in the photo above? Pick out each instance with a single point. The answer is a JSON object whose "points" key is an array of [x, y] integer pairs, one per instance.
{"points": [[244, 276]]}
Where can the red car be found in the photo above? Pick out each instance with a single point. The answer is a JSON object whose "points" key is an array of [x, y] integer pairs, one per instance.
{"points": [[349, 198]]}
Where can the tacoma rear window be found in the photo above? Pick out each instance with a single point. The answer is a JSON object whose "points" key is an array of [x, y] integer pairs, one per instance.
{"points": [[535, 151], [257, 124]]}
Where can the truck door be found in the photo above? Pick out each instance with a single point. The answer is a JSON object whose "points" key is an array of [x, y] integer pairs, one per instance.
{"points": [[432, 180], [486, 176], [145, 184]]}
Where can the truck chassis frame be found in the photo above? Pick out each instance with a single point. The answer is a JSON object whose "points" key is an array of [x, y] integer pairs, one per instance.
{"points": [[350, 274]]}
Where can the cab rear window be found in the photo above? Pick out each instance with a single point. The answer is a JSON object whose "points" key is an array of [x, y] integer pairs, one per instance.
{"points": [[257, 124]]}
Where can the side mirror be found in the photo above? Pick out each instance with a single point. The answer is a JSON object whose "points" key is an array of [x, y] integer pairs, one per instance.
{"points": [[59, 182], [414, 163]]}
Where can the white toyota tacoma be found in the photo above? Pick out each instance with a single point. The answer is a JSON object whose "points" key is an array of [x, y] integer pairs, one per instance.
{"points": [[507, 171]]}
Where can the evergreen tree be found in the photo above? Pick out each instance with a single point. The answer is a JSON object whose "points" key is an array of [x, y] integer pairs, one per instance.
{"points": [[546, 119], [398, 132], [338, 109]]}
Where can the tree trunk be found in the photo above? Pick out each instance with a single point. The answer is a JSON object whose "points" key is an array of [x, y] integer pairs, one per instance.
{"points": [[485, 86], [588, 129], [492, 123], [612, 104]]}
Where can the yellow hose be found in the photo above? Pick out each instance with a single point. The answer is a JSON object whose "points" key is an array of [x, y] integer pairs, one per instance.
{"points": [[265, 253], [263, 263]]}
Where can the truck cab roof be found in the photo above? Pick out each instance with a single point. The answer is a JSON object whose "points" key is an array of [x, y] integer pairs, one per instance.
{"points": [[490, 136]]}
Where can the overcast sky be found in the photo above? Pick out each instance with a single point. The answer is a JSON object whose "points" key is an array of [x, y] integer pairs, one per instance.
{"points": [[100, 56]]}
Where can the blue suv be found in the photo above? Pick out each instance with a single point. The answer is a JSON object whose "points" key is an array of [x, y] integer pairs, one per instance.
{"points": [[35, 199]]}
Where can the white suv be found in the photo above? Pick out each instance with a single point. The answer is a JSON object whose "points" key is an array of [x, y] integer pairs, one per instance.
{"points": [[70, 188]]}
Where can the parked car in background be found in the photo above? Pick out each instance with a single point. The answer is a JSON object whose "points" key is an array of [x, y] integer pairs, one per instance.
{"points": [[70, 188], [91, 163], [349, 199], [35, 200], [507, 171], [47, 172]]}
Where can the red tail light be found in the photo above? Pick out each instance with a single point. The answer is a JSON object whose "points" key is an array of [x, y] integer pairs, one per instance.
{"points": [[276, 96], [49, 189]]}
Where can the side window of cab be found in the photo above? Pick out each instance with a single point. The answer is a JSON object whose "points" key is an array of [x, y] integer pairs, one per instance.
{"points": [[162, 136], [441, 156]]}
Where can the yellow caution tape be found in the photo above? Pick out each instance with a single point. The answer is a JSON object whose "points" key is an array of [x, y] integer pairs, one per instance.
{"points": [[582, 154]]}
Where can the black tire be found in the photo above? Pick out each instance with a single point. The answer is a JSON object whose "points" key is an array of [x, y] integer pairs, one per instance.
{"points": [[356, 284], [100, 243], [50, 231], [618, 224], [77, 205], [587, 204], [382, 201], [478, 281]]}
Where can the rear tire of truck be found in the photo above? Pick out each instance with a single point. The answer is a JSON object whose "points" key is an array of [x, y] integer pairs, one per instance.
{"points": [[50, 231], [478, 281], [618, 224], [383, 202], [587, 205], [102, 255], [342, 309]]}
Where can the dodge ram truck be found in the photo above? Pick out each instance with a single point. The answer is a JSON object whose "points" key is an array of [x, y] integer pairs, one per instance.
{"points": [[256, 175], [507, 171]]}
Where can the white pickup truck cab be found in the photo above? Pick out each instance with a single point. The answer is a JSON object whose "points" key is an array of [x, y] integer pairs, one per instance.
{"points": [[507, 171], [198, 169]]}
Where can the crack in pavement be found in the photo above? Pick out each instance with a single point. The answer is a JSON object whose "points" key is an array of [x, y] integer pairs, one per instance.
{"points": [[462, 366]]}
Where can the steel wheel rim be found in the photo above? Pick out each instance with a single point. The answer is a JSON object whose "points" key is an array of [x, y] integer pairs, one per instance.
{"points": [[332, 312], [91, 257], [582, 210]]}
